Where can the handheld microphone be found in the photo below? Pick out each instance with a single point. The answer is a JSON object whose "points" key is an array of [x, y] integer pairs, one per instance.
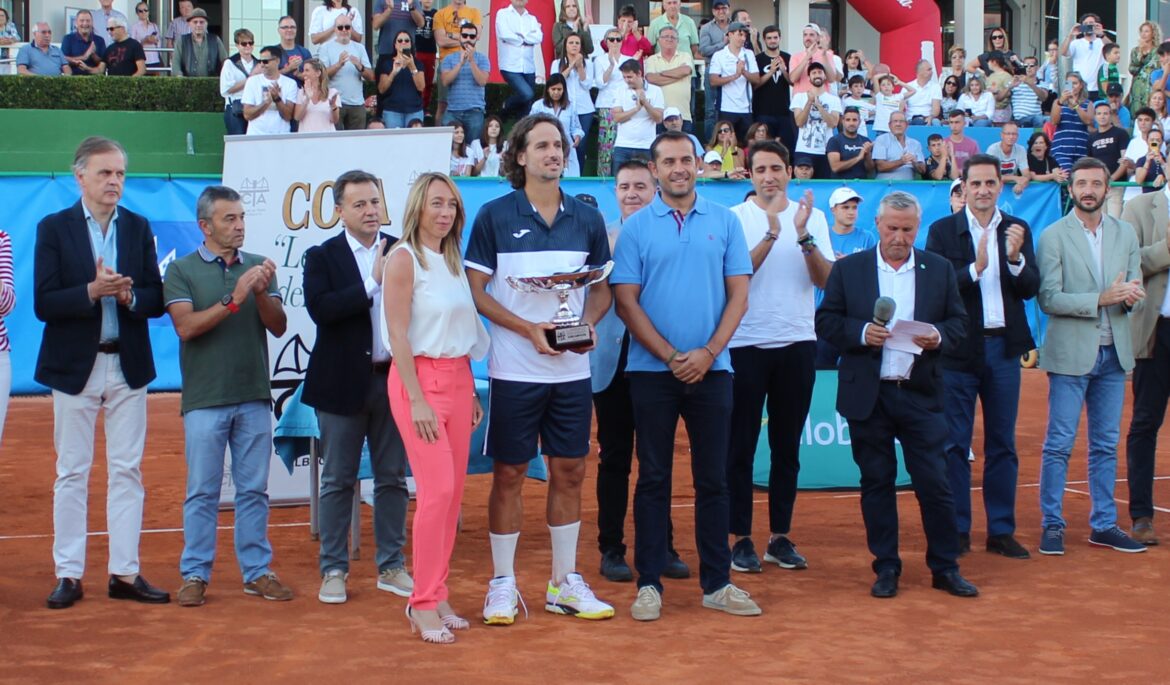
{"points": [[883, 310]]}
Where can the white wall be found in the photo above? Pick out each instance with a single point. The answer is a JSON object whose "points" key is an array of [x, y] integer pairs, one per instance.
{"points": [[53, 11]]}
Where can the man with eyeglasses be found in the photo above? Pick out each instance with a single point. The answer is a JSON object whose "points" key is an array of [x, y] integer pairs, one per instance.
{"points": [[292, 55], [198, 53], [347, 64], [1083, 46], [102, 17], [125, 56], [670, 69], [1028, 96], [269, 97], [41, 57], [464, 75], [83, 48]]}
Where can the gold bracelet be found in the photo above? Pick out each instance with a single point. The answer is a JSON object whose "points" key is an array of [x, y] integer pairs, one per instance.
{"points": [[713, 355]]}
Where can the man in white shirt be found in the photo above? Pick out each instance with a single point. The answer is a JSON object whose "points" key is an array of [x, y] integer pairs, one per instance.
{"points": [[924, 106], [817, 112], [896, 155], [518, 37], [773, 351], [637, 114], [348, 64], [1013, 158], [1085, 50], [734, 72], [269, 97]]}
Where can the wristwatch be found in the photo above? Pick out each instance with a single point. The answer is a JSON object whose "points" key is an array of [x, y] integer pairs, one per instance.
{"points": [[226, 301]]}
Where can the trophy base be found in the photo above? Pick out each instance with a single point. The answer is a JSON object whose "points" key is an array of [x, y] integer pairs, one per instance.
{"points": [[570, 337]]}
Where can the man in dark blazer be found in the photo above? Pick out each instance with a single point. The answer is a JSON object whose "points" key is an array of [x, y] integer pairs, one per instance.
{"points": [[996, 270], [96, 282], [346, 384], [887, 393]]}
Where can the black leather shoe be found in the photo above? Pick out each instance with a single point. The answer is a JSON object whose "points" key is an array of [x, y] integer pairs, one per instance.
{"points": [[67, 592], [139, 591], [614, 567], [964, 543], [954, 583], [676, 568], [1007, 546], [886, 585]]}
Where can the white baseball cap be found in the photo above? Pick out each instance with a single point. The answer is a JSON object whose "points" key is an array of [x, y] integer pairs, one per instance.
{"points": [[955, 184], [671, 112], [842, 195], [712, 156]]}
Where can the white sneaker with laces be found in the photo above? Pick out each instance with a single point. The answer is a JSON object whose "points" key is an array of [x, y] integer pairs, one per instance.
{"points": [[574, 598], [500, 605], [732, 600], [648, 605]]}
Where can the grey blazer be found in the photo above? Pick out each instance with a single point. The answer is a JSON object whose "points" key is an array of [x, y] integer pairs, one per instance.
{"points": [[1069, 289], [1148, 214]]}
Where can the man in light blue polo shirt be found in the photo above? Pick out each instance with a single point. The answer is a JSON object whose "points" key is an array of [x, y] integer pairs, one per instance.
{"points": [[41, 57], [465, 74], [681, 278]]}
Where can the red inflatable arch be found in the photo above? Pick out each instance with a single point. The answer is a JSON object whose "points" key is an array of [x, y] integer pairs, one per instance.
{"points": [[903, 25], [546, 12]]}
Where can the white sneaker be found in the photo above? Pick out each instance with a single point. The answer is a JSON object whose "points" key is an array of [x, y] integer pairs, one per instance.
{"points": [[396, 580], [500, 605], [333, 587], [732, 600], [648, 605], [574, 598]]}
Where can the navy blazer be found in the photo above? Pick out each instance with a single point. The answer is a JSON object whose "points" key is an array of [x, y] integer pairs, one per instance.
{"points": [[850, 293], [63, 267], [341, 363], [950, 237]]}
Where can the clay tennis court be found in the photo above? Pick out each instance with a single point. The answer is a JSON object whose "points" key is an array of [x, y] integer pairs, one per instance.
{"points": [[1092, 615]]}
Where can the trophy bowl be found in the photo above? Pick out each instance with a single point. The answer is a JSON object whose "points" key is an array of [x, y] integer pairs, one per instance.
{"points": [[570, 333]]}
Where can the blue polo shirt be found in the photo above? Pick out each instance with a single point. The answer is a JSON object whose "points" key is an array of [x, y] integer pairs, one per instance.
{"points": [[680, 267], [510, 238], [40, 62]]}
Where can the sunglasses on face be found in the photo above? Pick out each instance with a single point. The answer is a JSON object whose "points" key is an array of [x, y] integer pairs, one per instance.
{"points": [[246, 43], [996, 36], [141, 11], [469, 36], [614, 39], [725, 130], [344, 27], [265, 60], [403, 40]]}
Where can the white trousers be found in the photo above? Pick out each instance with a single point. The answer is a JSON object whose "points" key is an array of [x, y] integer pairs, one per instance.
{"points": [[5, 387], [74, 417]]}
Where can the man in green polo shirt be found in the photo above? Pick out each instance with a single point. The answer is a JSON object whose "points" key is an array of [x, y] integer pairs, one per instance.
{"points": [[223, 302], [688, 33]]}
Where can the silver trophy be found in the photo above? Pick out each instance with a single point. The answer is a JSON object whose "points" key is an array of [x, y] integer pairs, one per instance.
{"points": [[569, 333]]}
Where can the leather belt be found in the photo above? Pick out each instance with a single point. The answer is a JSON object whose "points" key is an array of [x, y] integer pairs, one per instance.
{"points": [[111, 347], [381, 368], [994, 332]]}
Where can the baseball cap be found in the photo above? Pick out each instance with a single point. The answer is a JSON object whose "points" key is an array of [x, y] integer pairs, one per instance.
{"points": [[198, 12], [1114, 89], [711, 157], [956, 184], [671, 112], [814, 27], [736, 26], [803, 160], [842, 195], [718, 3]]}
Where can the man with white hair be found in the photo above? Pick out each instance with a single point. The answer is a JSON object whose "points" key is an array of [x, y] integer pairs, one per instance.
{"points": [[124, 56], [41, 57]]}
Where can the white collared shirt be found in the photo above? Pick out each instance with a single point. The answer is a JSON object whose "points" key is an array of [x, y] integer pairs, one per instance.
{"points": [[365, 258], [898, 285], [989, 285], [517, 35], [1094, 239]]}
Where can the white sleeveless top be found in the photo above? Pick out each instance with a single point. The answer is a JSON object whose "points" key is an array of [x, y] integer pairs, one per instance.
{"points": [[443, 319]]}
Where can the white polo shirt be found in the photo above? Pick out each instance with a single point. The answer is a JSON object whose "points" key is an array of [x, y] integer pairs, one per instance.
{"points": [[735, 97]]}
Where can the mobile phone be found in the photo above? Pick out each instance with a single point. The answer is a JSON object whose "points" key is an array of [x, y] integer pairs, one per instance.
{"points": [[407, 52]]}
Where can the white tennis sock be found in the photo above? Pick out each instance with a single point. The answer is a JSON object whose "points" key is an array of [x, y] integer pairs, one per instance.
{"points": [[504, 553], [564, 550]]}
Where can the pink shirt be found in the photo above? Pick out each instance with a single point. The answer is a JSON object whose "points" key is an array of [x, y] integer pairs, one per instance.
{"points": [[318, 115], [802, 84]]}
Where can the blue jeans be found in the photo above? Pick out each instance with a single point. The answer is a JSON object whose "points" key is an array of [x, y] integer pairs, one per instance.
{"points": [[399, 119], [235, 125], [997, 387], [523, 87], [472, 120], [1102, 392], [247, 429], [1034, 121], [586, 126], [659, 400], [710, 105], [621, 155]]}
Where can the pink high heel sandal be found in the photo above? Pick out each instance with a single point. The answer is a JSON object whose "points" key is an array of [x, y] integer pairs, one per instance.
{"points": [[442, 636]]}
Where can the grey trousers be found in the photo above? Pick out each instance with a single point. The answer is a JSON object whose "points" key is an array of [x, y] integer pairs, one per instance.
{"points": [[341, 448]]}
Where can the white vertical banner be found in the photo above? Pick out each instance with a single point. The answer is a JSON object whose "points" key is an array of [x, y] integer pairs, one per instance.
{"points": [[286, 182]]}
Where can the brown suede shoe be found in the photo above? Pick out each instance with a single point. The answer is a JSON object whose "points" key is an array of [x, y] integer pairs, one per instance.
{"points": [[1143, 531], [193, 592], [269, 586]]}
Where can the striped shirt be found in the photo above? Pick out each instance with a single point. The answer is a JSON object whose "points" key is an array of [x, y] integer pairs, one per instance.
{"points": [[7, 288], [1024, 101]]}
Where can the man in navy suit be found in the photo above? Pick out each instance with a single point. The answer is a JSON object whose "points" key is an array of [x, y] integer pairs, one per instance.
{"points": [[887, 393], [96, 284], [995, 267], [346, 384]]}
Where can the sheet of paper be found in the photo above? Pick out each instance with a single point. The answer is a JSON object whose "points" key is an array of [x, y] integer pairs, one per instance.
{"points": [[904, 331]]}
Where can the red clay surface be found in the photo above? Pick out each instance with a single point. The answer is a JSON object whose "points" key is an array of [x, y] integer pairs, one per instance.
{"points": [[1092, 615]]}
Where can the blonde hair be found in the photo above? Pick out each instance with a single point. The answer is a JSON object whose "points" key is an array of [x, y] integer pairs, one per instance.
{"points": [[1157, 31], [411, 222], [322, 77]]}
